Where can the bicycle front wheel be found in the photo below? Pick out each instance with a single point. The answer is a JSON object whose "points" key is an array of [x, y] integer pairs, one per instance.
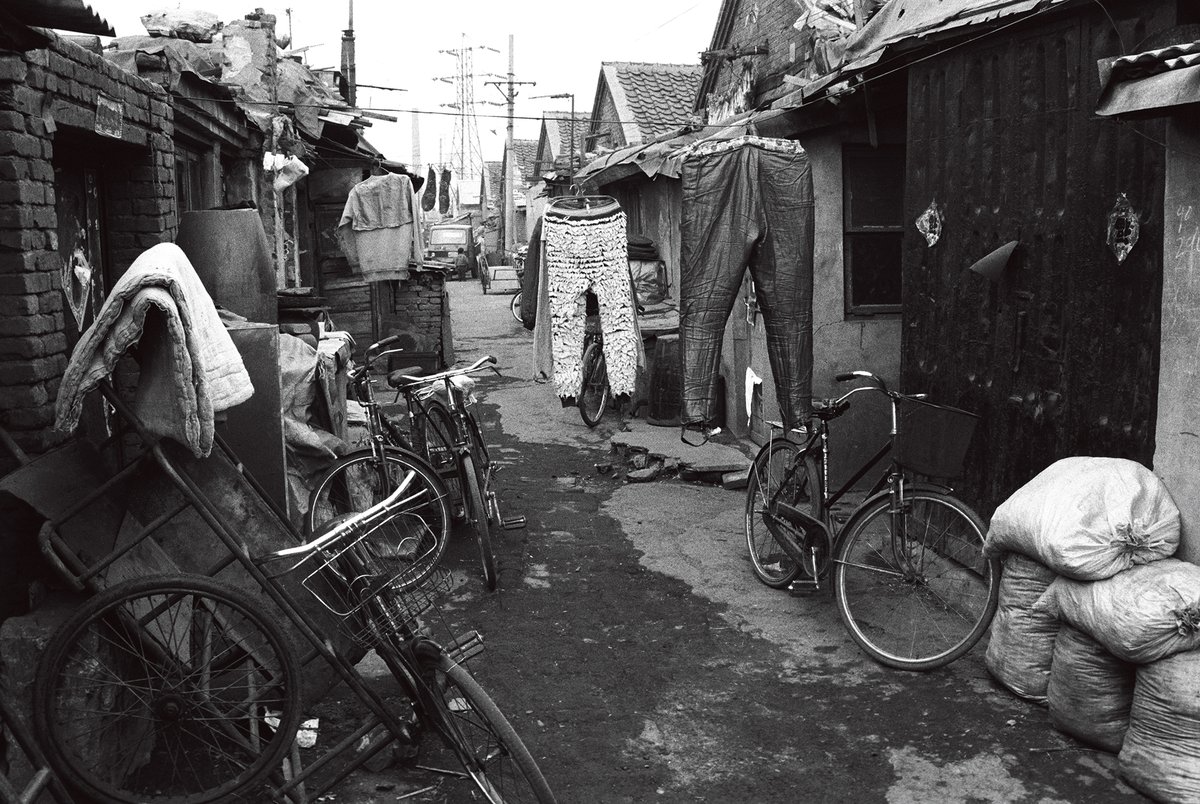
{"points": [[477, 515], [417, 533], [475, 730], [915, 590], [515, 307], [780, 473], [439, 437], [170, 688], [593, 396]]}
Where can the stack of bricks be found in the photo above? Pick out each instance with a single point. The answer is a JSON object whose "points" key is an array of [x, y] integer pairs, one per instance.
{"points": [[47, 95], [417, 312]]}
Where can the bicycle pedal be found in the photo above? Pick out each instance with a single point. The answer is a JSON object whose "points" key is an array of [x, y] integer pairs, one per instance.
{"points": [[804, 586], [513, 523], [465, 648]]}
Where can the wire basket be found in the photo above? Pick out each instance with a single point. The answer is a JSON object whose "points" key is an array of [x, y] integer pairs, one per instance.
{"points": [[372, 581], [933, 439]]}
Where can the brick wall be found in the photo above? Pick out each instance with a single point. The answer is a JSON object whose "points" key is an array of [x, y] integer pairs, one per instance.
{"points": [[48, 96], [415, 309]]}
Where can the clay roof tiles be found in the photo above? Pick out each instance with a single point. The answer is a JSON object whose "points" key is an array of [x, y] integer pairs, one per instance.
{"points": [[658, 98]]}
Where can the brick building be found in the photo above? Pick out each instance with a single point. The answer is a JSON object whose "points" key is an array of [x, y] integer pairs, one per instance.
{"points": [[87, 179]]}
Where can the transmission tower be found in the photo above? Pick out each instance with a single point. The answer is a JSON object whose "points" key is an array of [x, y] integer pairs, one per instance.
{"points": [[466, 156]]}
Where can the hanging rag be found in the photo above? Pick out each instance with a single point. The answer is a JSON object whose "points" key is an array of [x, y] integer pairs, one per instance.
{"points": [[378, 231], [586, 250], [749, 205], [530, 280], [189, 366]]}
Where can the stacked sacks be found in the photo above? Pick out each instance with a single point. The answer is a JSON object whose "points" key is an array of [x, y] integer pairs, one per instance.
{"points": [[1082, 518], [1090, 691], [1148, 615], [1022, 642]]}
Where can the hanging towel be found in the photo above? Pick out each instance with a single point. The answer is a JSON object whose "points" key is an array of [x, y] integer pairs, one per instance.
{"points": [[189, 367]]}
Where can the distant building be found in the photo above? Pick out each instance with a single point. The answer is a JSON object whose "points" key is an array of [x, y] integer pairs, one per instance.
{"points": [[638, 101]]}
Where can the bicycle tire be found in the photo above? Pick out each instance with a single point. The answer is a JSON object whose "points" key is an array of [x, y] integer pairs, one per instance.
{"points": [[931, 583], [439, 437], [477, 515], [355, 482], [594, 392], [515, 306], [771, 469], [476, 731], [131, 708]]}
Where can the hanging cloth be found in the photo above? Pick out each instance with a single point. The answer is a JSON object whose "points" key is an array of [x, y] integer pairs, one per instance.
{"points": [[378, 231], [586, 250], [747, 203]]}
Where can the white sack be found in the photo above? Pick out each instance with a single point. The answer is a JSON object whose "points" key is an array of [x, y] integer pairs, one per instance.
{"points": [[1088, 518], [1141, 615], [1090, 691], [1022, 643], [1161, 754]]}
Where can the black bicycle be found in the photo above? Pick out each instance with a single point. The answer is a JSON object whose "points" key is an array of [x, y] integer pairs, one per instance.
{"points": [[909, 576], [594, 392]]}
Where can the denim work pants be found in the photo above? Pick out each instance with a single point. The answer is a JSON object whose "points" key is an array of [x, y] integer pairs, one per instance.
{"points": [[747, 207]]}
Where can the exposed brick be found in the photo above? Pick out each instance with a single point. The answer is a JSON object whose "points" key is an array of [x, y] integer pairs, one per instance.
{"points": [[20, 239], [17, 262], [20, 144], [28, 372], [16, 218], [24, 418], [16, 284], [13, 68], [50, 302], [30, 346], [13, 306], [30, 325], [12, 121], [22, 192], [12, 169]]}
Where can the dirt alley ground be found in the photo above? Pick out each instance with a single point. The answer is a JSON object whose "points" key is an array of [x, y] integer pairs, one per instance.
{"points": [[638, 657]]}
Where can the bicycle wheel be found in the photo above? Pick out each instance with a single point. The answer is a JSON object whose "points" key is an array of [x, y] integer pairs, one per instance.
{"points": [[594, 394], [438, 438], [781, 474], [477, 515], [171, 688], [476, 731], [515, 306], [417, 534], [921, 594]]}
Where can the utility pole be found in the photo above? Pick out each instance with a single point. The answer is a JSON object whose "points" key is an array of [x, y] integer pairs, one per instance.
{"points": [[510, 98]]}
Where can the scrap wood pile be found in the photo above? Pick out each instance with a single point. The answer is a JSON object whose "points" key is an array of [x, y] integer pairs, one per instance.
{"points": [[1098, 622]]}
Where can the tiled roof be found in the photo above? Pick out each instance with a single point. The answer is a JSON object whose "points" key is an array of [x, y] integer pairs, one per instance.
{"points": [[525, 153], [657, 97], [558, 128]]}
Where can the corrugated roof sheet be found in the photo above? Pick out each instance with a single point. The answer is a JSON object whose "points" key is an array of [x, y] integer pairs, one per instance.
{"points": [[1156, 79], [65, 15], [658, 97]]}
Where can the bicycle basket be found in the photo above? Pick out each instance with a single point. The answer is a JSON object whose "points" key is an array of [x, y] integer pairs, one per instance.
{"points": [[933, 439]]}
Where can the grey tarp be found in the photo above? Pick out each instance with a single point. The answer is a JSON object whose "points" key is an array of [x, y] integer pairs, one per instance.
{"points": [[747, 205]]}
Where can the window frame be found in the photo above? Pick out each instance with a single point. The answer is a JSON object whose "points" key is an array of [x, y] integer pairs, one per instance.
{"points": [[852, 231]]}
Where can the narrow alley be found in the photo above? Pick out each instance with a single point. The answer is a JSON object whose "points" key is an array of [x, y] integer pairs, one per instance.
{"points": [[636, 654]]}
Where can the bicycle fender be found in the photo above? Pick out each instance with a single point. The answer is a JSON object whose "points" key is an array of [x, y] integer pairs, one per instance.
{"points": [[880, 495]]}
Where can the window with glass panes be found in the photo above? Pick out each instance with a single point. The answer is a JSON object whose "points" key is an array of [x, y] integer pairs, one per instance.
{"points": [[873, 199]]}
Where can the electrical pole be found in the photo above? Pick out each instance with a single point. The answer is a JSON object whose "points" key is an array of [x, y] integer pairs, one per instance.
{"points": [[510, 99]]}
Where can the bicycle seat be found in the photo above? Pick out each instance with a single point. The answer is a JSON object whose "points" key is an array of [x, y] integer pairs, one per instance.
{"points": [[826, 409], [397, 378]]}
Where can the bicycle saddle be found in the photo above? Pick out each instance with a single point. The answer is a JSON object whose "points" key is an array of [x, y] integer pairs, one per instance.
{"points": [[397, 378]]}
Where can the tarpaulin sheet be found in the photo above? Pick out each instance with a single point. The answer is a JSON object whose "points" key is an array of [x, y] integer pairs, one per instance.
{"points": [[748, 206]]}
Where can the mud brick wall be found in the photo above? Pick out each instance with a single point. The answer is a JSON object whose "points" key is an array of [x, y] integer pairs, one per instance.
{"points": [[48, 112]]}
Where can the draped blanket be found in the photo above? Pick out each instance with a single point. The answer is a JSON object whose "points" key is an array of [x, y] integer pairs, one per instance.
{"points": [[189, 367]]}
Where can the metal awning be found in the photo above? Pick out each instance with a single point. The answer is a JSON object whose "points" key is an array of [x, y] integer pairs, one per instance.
{"points": [[1156, 79]]}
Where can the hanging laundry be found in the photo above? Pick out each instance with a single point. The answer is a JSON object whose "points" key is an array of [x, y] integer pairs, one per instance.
{"points": [[378, 231], [429, 197], [747, 202], [586, 250], [444, 192]]}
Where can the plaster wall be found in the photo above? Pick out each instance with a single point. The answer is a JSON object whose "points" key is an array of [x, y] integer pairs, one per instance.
{"points": [[1177, 447], [843, 344]]}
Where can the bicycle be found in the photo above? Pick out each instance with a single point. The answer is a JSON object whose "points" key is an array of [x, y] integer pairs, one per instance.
{"points": [[180, 688], [364, 476], [450, 436], [909, 577], [594, 391]]}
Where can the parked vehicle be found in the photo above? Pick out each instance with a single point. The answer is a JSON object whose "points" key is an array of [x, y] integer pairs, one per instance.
{"points": [[445, 239]]}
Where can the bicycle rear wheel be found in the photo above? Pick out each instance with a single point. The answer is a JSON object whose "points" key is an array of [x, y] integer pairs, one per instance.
{"points": [[919, 594], [171, 688], [476, 731], [439, 436], [478, 515], [594, 393], [418, 533], [781, 474], [515, 306]]}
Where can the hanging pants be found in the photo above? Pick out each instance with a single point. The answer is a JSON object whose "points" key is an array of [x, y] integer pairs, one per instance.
{"points": [[587, 249], [747, 207]]}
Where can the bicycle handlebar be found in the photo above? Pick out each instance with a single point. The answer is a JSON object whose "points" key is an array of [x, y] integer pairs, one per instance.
{"points": [[487, 361]]}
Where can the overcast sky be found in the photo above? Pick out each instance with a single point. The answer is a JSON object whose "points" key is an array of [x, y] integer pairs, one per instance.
{"points": [[557, 45]]}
